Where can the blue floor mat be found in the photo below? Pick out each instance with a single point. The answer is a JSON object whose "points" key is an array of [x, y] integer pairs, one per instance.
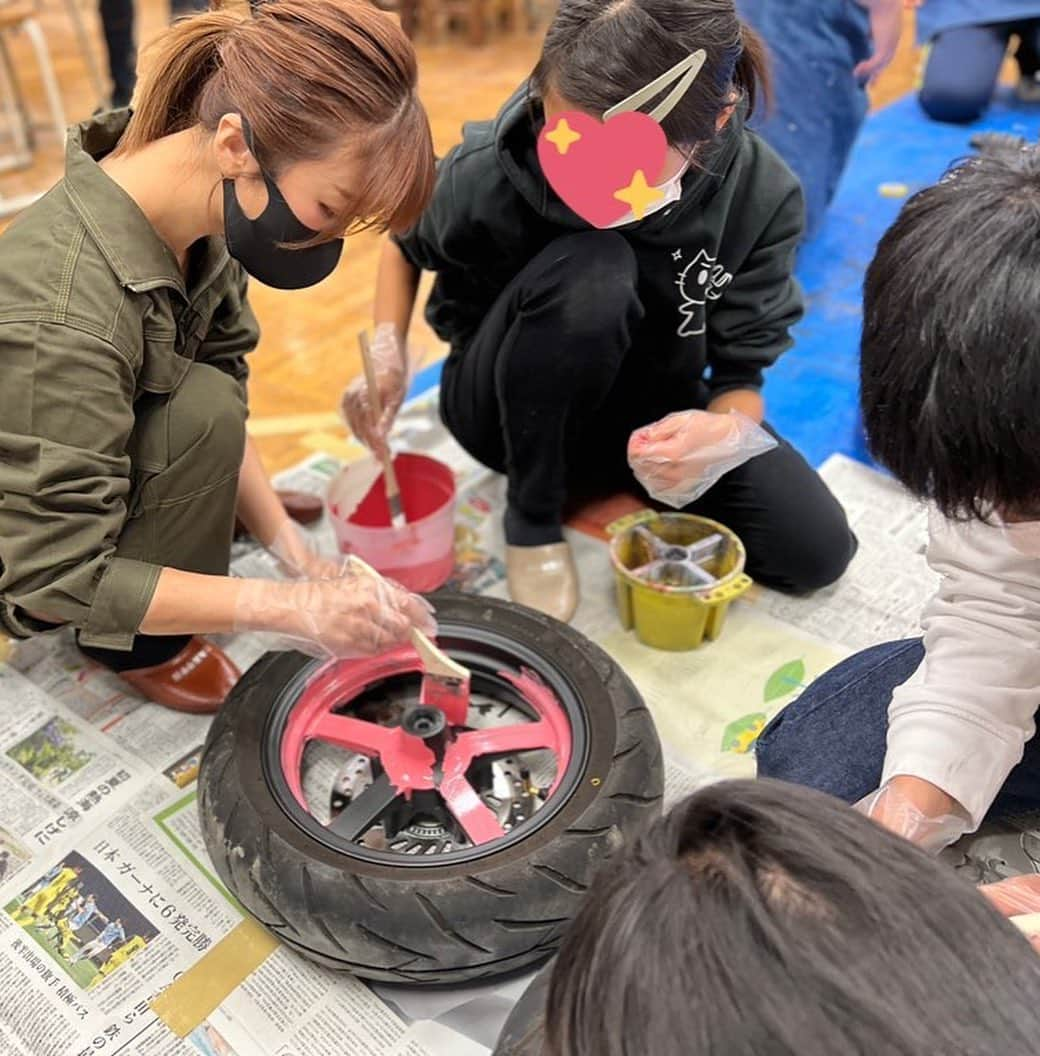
{"points": [[812, 393]]}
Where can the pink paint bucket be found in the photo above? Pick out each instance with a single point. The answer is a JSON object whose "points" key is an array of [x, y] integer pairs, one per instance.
{"points": [[419, 556]]}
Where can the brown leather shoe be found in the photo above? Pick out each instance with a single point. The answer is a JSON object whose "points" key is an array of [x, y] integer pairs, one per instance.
{"points": [[197, 679]]}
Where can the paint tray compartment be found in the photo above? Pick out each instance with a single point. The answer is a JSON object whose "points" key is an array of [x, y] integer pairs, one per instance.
{"points": [[676, 575]]}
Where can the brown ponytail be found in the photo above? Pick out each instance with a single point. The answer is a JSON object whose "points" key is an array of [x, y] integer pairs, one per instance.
{"points": [[309, 76], [181, 63], [752, 75]]}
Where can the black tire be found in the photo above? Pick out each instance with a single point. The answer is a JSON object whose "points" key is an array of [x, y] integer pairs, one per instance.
{"points": [[440, 923]]}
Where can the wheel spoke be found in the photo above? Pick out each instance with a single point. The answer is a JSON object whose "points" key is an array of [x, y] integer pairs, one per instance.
{"points": [[355, 735], [361, 813], [500, 740], [478, 821]]}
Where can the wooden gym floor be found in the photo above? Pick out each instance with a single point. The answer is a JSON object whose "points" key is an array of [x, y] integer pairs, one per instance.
{"points": [[308, 351]]}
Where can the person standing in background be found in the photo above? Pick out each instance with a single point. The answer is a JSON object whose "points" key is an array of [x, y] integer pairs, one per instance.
{"points": [[117, 27], [824, 55]]}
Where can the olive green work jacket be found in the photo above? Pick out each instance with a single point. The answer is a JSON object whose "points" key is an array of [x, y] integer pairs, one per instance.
{"points": [[94, 315]]}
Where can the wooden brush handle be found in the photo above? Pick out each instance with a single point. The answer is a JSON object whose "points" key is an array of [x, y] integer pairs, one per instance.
{"points": [[434, 660], [376, 402], [370, 375]]}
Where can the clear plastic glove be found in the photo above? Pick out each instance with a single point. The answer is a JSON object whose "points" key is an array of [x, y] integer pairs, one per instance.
{"points": [[1018, 897], [1015, 896], [390, 361], [298, 556], [355, 614], [680, 457], [891, 807]]}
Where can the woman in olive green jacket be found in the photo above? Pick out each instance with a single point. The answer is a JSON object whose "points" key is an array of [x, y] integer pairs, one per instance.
{"points": [[124, 327]]}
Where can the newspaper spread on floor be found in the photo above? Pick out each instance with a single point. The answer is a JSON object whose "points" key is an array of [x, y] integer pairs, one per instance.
{"points": [[106, 892]]}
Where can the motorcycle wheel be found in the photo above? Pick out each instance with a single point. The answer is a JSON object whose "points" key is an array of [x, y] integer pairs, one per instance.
{"points": [[468, 859]]}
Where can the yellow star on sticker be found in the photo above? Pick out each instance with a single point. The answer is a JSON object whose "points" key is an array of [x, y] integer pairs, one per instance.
{"points": [[562, 136], [638, 195]]}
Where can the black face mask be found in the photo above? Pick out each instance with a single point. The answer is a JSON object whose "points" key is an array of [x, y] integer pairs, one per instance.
{"points": [[258, 244]]}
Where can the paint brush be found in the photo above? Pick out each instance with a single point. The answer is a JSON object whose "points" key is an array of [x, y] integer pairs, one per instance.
{"points": [[445, 683], [1027, 923], [393, 491]]}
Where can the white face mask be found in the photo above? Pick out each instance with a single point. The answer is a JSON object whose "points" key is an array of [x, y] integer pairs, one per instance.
{"points": [[1024, 536], [671, 191]]}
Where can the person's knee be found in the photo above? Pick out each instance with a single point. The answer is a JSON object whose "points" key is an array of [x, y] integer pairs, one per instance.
{"points": [[784, 748], [952, 101], [813, 556], [824, 563], [788, 750], [207, 420], [775, 748], [833, 736], [593, 275]]}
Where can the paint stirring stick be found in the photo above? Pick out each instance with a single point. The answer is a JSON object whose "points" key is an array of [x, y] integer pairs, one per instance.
{"points": [[393, 491]]}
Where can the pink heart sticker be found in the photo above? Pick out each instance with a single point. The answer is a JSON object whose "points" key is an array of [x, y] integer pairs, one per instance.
{"points": [[589, 162]]}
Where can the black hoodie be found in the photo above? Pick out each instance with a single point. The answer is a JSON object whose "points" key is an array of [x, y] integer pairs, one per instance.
{"points": [[714, 268]]}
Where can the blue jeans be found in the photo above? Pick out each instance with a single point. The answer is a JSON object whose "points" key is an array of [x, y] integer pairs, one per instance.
{"points": [[965, 63], [833, 737]]}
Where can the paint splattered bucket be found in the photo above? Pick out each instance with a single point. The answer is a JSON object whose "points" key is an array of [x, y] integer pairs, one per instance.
{"points": [[419, 556], [676, 575]]}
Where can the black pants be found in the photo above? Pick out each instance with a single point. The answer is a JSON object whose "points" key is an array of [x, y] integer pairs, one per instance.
{"points": [[550, 389], [117, 25]]}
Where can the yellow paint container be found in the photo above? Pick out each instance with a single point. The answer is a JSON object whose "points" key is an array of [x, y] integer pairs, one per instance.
{"points": [[669, 613]]}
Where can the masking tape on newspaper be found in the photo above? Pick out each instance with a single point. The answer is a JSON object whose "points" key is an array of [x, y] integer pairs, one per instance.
{"points": [[184, 1004]]}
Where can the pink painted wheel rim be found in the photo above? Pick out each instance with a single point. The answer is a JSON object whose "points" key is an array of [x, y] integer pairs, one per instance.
{"points": [[408, 763]]}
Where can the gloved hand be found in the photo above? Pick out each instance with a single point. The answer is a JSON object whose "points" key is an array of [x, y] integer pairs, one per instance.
{"points": [[390, 361], [1015, 896], [355, 614], [680, 457], [297, 554], [1018, 896], [907, 814]]}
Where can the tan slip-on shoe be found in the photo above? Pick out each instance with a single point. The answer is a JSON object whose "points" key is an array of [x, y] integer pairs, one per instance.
{"points": [[544, 578]]}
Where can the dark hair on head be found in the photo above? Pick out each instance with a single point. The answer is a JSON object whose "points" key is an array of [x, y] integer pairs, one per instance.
{"points": [[950, 354], [310, 77], [598, 52], [763, 918]]}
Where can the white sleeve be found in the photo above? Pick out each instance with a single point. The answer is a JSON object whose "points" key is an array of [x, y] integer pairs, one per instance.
{"points": [[962, 720]]}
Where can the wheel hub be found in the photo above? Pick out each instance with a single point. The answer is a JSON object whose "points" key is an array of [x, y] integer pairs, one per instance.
{"points": [[423, 721]]}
